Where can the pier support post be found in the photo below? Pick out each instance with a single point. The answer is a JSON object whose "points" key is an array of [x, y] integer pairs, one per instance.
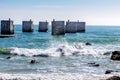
{"points": [[58, 27], [71, 27], [7, 27], [43, 26], [27, 26], [81, 26]]}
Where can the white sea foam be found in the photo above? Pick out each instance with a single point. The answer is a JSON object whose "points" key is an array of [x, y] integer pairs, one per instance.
{"points": [[61, 50], [55, 76]]}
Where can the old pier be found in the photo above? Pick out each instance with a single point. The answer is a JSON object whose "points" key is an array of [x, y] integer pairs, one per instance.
{"points": [[58, 27]]}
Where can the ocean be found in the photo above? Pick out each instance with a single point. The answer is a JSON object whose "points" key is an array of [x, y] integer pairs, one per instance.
{"points": [[60, 57]]}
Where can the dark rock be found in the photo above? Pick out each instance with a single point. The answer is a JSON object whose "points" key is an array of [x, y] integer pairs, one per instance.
{"points": [[8, 57], [32, 61], [93, 64], [108, 71], [76, 53], [115, 55], [89, 44], [114, 78], [22, 55], [41, 55]]}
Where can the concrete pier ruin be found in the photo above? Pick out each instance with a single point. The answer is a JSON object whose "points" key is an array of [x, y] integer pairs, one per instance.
{"points": [[58, 27], [27, 26], [7, 27], [43, 26], [81, 26], [71, 27]]}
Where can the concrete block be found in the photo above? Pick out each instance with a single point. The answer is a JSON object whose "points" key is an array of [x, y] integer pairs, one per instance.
{"points": [[58, 27], [71, 27], [43, 26], [81, 26], [27, 26], [7, 27]]}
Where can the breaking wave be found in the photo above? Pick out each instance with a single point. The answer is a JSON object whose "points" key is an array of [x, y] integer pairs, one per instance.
{"points": [[61, 50]]}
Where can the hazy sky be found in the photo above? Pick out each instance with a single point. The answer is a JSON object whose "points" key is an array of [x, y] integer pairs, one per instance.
{"points": [[94, 12]]}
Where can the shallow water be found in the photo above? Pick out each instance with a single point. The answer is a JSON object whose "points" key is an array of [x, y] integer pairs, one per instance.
{"points": [[76, 57]]}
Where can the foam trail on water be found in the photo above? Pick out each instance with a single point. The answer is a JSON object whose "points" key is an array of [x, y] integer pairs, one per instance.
{"points": [[61, 50], [55, 76]]}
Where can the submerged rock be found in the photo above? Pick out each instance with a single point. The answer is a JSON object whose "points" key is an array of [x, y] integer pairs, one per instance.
{"points": [[41, 55], [33, 61], [107, 53], [87, 43], [108, 71], [76, 53], [8, 57], [93, 64], [114, 78], [115, 55]]}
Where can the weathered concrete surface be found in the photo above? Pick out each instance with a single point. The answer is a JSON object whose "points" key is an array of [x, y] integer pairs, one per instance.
{"points": [[27, 26], [71, 27], [58, 27], [7, 27], [81, 26], [43, 26]]}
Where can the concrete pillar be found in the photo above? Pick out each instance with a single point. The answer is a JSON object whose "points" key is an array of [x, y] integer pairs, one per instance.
{"points": [[81, 26], [43, 26], [7, 27], [71, 27], [27, 26], [58, 27]]}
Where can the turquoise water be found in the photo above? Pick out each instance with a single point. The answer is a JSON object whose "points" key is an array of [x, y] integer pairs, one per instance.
{"points": [[102, 38], [94, 34]]}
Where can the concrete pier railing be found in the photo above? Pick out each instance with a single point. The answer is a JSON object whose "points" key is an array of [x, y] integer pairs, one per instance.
{"points": [[7, 27], [58, 27], [27, 26], [43, 26]]}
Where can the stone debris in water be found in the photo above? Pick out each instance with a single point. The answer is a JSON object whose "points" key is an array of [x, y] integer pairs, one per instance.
{"points": [[93, 64], [89, 44], [108, 71], [115, 55], [114, 78], [33, 61], [8, 57]]}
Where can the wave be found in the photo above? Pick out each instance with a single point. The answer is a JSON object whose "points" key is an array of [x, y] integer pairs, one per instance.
{"points": [[61, 50]]}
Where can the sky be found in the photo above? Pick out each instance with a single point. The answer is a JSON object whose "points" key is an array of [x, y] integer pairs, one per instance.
{"points": [[93, 12]]}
